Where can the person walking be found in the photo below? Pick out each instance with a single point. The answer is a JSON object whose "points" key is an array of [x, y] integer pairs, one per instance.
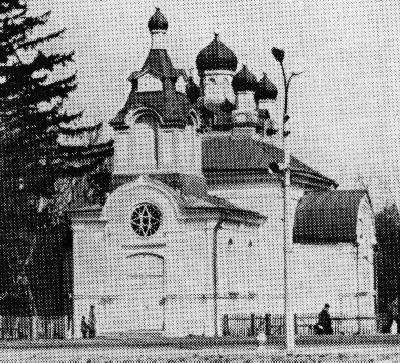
{"points": [[324, 325], [84, 327], [92, 322]]}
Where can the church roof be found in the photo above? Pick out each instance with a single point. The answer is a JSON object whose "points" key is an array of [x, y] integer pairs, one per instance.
{"points": [[158, 21], [266, 90], [216, 56], [244, 80], [223, 154], [173, 106], [191, 190], [328, 217], [190, 193], [158, 63]]}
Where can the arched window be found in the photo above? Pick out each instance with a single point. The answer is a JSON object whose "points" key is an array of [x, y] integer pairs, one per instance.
{"points": [[146, 142], [143, 142]]}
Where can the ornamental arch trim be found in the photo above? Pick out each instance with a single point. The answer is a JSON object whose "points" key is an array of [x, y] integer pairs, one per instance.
{"points": [[151, 187], [156, 255], [148, 116], [153, 267]]}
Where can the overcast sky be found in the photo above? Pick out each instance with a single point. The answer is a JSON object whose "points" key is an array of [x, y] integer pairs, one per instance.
{"points": [[344, 108]]}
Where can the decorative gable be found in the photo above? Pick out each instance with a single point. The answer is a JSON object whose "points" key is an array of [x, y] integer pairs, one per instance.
{"points": [[149, 83]]}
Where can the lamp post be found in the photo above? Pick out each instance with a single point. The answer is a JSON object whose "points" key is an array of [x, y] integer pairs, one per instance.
{"points": [[279, 55]]}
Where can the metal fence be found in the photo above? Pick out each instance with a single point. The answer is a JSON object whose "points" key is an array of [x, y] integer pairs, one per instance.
{"points": [[273, 324], [38, 327]]}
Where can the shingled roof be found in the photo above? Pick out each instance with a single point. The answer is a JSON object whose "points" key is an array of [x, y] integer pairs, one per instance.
{"points": [[327, 217], [173, 106], [226, 154], [159, 63], [191, 195]]}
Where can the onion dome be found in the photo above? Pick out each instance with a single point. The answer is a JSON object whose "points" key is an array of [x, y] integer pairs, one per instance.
{"points": [[158, 21], [266, 90], [244, 81], [216, 56], [192, 90]]}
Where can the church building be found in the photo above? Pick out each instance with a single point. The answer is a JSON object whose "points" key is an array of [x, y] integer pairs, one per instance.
{"points": [[191, 228]]}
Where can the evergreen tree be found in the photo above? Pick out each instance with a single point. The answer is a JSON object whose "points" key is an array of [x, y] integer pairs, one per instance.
{"points": [[33, 86], [387, 223]]}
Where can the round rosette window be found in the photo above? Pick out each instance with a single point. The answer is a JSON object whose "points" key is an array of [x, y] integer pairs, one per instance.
{"points": [[146, 219]]}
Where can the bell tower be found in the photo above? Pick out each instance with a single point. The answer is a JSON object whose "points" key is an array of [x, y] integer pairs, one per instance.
{"points": [[156, 130]]}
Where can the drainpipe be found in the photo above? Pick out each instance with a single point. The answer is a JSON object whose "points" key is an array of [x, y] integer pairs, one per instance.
{"points": [[358, 286], [216, 228]]}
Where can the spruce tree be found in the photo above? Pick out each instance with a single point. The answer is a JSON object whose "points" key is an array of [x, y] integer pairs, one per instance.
{"points": [[33, 87]]}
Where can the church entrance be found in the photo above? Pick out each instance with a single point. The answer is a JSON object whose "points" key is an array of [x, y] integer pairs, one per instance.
{"points": [[143, 307]]}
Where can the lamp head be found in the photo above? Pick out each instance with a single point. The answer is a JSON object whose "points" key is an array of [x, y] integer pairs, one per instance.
{"points": [[279, 54]]}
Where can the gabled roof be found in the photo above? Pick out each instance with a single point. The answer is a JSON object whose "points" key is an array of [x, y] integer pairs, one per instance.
{"points": [[328, 217], [226, 154]]}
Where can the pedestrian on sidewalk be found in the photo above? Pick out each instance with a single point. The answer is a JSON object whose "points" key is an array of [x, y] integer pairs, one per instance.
{"points": [[84, 327], [324, 325]]}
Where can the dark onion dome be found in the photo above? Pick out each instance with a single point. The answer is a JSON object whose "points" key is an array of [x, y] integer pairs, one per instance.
{"points": [[216, 56], [192, 91], [158, 21], [266, 90], [244, 81]]}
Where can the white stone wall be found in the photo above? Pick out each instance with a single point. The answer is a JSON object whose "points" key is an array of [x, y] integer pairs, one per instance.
{"points": [[180, 301], [267, 249], [324, 274], [145, 148], [320, 273], [189, 280], [249, 265]]}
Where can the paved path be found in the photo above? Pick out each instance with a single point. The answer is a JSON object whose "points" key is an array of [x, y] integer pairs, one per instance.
{"points": [[105, 354], [196, 349]]}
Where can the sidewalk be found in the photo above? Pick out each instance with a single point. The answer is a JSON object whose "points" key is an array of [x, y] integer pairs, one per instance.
{"points": [[199, 349], [227, 354], [198, 342]]}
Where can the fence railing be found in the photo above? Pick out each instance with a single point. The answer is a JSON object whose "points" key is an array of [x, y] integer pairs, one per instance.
{"points": [[33, 327], [273, 324]]}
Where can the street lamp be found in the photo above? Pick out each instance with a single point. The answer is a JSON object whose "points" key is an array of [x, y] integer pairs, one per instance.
{"points": [[279, 55]]}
